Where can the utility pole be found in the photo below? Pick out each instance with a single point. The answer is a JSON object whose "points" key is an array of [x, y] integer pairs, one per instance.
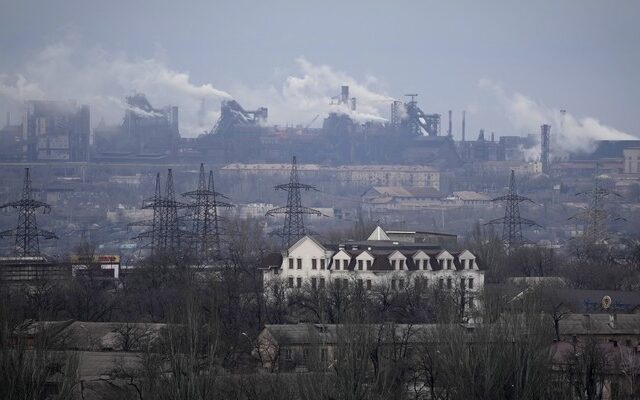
{"points": [[512, 221], [293, 228], [26, 233]]}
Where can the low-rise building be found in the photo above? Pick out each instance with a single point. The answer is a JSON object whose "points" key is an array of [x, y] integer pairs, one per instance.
{"points": [[385, 198], [383, 175]]}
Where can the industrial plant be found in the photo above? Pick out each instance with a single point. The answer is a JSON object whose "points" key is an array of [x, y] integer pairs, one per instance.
{"points": [[315, 201]]}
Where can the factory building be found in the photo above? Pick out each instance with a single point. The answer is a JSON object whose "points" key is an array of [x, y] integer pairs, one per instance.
{"points": [[11, 141], [632, 160], [55, 131]]}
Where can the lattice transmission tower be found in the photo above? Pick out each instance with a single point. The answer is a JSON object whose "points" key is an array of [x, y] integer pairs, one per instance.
{"points": [[164, 233], [512, 222], [595, 216], [293, 228], [206, 233], [26, 233]]}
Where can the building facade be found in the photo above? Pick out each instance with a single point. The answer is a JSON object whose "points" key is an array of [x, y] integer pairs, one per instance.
{"points": [[377, 261], [56, 131]]}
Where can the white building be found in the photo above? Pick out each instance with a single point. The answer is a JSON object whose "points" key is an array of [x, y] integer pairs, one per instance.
{"points": [[374, 262]]}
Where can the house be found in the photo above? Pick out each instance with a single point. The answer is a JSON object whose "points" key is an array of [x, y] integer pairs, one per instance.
{"points": [[377, 261], [304, 347]]}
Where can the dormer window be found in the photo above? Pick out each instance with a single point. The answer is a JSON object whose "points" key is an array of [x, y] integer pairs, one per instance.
{"points": [[345, 264], [401, 267], [360, 265], [449, 262], [441, 263], [368, 264], [393, 264], [337, 263]]}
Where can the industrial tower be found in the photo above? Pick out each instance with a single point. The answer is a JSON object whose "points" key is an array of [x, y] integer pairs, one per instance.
{"points": [[512, 221], [293, 228], [545, 143], [26, 233], [206, 233], [596, 216], [164, 232]]}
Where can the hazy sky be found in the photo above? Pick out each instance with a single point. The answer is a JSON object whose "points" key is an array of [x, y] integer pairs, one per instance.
{"points": [[510, 64]]}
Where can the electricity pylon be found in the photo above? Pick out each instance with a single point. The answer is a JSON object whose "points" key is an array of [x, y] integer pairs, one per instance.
{"points": [[512, 221], [164, 232], [595, 215], [293, 228], [26, 233], [206, 230]]}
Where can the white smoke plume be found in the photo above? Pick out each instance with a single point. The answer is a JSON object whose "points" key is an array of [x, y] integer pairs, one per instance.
{"points": [[93, 76], [311, 89], [68, 69], [570, 134]]}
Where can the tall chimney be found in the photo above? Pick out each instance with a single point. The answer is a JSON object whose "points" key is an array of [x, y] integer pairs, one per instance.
{"points": [[545, 133], [492, 137], [344, 96], [449, 133], [463, 122]]}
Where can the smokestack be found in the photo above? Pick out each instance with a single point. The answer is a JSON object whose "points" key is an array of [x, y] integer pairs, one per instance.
{"points": [[492, 137], [463, 122], [344, 97], [545, 136], [449, 133], [353, 104]]}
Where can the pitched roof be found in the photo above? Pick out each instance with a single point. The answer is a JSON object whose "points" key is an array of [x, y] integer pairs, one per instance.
{"points": [[407, 192], [302, 239], [599, 324], [378, 234]]}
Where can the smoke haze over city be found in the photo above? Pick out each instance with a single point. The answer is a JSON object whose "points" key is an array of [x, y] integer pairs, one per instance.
{"points": [[578, 56]]}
